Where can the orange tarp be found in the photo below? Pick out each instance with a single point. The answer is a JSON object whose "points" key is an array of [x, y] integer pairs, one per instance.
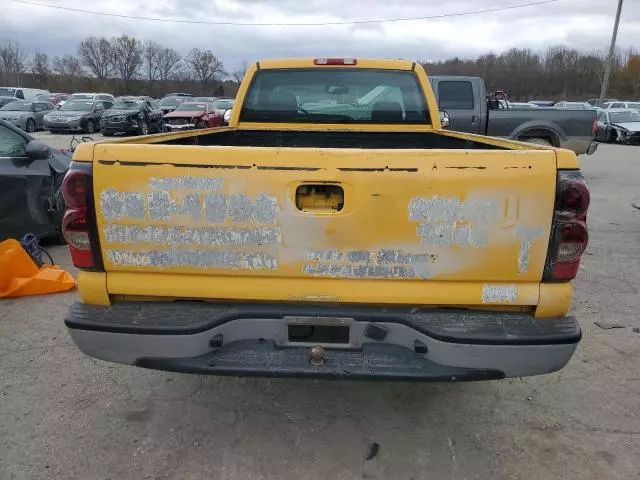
{"points": [[19, 275]]}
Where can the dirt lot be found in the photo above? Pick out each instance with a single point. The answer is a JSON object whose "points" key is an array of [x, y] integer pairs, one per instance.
{"points": [[65, 416]]}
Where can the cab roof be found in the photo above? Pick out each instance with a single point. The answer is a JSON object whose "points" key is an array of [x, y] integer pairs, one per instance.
{"points": [[377, 63]]}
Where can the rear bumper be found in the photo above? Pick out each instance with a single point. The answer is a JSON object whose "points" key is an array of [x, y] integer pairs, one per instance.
{"points": [[426, 345], [580, 145], [593, 146]]}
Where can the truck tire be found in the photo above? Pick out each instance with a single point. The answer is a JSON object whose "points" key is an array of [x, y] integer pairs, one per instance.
{"points": [[538, 141]]}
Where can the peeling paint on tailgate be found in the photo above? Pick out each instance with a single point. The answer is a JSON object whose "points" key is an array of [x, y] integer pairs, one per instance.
{"points": [[419, 224]]}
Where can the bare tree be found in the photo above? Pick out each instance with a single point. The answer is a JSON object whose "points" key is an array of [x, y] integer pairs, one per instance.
{"points": [[96, 53], [67, 65], [152, 51], [13, 59], [169, 62], [127, 56], [204, 65], [238, 74], [40, 66]]}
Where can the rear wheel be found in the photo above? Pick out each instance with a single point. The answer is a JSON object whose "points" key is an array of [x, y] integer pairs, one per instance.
{"points": [[538, 141], [31, 126]]}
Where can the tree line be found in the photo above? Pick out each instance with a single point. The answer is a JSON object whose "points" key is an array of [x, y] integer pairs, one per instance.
{"points": [[558, 73], [121, 65], [127, 65]]}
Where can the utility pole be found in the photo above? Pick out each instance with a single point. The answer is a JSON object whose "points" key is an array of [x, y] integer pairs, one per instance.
{"points": [[612, 47]]}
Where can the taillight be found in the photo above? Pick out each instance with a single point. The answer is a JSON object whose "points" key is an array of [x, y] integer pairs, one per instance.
{"points": [[77, 225], [74, 189], [569, 235], [335, 61], [594, 128]]}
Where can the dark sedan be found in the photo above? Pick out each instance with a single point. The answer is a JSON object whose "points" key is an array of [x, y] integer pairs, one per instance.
{"points": [[31, 176], [76, 116], [138, 115]]}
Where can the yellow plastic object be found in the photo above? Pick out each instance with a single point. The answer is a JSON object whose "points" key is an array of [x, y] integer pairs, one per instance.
{"points": [[19, 275]]}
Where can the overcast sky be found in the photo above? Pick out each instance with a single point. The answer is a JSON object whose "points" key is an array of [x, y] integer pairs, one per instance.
{"points": [[583, 24]]}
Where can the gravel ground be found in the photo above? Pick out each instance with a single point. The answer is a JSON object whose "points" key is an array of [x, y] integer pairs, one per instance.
{"points": [[65, 416], [61, 140]]}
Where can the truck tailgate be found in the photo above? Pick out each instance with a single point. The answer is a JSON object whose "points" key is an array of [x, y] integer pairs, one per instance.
{"points": [[424, 227]]}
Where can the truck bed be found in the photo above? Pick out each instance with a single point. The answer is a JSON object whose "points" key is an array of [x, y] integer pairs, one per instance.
{"points": [[329, 139]]}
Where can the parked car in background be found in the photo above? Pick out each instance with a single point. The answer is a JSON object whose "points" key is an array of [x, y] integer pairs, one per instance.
{"points": [[621, 104], [105, 97], [464, 100], [542, 103], [169, 104], [21, 93], [54, 98], [179, 94], [573, 105], [76, 116], [618, 125], [139, 115], [4, 100], [26, 115], [204, 99], [595, 102], [31, 176], [518, 105], [223, 104], [193, 115]]}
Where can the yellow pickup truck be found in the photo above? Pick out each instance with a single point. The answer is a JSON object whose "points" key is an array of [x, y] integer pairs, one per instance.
{"points": [[321, 235]]}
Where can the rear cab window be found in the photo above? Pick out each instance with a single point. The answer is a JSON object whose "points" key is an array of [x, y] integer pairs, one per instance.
{"points": [[455, 95], [335, 96]]}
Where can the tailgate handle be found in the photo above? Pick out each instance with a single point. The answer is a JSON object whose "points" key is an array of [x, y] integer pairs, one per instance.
{"points": [[319, 198]]}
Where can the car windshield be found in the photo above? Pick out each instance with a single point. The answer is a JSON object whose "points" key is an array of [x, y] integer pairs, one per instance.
{"points": [[223, 104], [624, 117], [127, 103], [191, 107], [77, 106], [18, 107], [7, 92], [170, 101], [335, 96]]}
